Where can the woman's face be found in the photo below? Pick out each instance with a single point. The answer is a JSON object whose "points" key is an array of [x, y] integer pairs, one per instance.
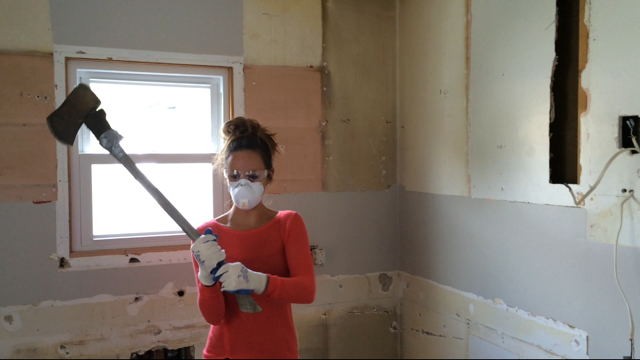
{"points": [[247, 160]]}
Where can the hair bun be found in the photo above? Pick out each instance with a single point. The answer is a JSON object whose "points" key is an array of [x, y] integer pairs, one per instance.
{"points": [[240, 127], [247, 134]]}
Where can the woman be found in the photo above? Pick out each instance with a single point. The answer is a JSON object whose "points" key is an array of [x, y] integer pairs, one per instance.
{"points": [[266, 252]]}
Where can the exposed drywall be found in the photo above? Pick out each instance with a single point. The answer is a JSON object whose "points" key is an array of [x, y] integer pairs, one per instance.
{"points": [[288, 100], [534, 257], [106, 326], [283, 32], [440, 322], [510, 101], [25, 26], [433, 96], [352, 317], [27, 149], [359, 90], [610, 80], [189, 26]]}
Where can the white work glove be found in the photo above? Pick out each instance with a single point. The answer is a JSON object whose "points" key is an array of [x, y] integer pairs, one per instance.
{"points": [[210, 257], [237, 279]]}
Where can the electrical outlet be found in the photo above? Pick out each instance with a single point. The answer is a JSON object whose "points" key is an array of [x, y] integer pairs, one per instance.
{"points": [[629, 126], [318, 255]]}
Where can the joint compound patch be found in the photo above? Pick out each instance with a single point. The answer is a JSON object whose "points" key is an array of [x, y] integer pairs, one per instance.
{"points": [[12, 322], [386, 282], [138, 302]]}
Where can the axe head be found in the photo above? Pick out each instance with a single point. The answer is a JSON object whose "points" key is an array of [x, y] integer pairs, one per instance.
{"points": [[66, 120]]}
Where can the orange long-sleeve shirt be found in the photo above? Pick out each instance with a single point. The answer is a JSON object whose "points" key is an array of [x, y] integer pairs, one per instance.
{"points": [[279, 249]]}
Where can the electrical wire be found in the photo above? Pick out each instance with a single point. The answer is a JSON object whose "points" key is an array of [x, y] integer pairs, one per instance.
{"points": [[615, 264], [632, 336], [604, 171], [595, 186]]}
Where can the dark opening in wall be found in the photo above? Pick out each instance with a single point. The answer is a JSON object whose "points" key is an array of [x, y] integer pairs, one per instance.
{"points": [[161, 353], [566, 90]]}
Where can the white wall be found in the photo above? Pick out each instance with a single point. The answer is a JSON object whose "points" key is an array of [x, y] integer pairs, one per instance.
{"points": [[433, 96], [528, 247]]}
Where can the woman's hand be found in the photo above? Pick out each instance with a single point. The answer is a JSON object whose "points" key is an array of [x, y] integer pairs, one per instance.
{"points": [[237, 279], [209, 256]]}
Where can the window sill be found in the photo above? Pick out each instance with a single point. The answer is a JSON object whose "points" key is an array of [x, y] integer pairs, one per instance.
{"points": [[127, 258]]}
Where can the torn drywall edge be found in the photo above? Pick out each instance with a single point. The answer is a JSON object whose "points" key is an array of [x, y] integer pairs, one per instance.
{"points": [[122, 261], [499, 304], [467, 309], [170, 290], [522, 349], [141, 322]]}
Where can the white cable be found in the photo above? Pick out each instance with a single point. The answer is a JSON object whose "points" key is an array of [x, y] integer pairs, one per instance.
{"points": [[604, 171], [593, 188], [632, 336], [615, 263]]}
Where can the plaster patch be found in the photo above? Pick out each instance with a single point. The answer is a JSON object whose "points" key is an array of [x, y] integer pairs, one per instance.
{"points": [[169, 291], [134, 307], [12, 322], [386, 282], [394, 327]]}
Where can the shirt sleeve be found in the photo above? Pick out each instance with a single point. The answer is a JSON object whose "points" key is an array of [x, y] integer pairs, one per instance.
{"points": [[300, 287], [210, 300]]}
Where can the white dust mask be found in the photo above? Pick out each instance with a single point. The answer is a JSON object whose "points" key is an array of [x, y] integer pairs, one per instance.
{"points": [[245, 194]]}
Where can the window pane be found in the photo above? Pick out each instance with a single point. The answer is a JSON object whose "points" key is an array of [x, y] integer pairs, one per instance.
{"points": [[122, 206], [156, 118]]}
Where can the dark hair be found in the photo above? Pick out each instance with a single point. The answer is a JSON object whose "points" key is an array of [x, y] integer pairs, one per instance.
{"points": [[243, 133]]}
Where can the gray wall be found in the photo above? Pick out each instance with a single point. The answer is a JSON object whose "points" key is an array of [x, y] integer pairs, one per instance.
{"points": [[534, 257], [358, 231], [185, 26]]}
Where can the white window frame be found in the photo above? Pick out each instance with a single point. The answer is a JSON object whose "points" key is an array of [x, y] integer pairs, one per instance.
{"points": [[87, 260]]}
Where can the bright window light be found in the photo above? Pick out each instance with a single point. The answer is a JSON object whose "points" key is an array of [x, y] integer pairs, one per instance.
{"points": [[156, 118], [170, 118], [122, 207]]}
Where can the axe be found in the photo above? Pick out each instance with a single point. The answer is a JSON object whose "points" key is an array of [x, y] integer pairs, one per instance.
{"points": [[79, 108]]}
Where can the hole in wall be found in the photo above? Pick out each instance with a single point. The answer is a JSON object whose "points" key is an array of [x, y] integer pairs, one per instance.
{"points": [[164, 353], [180, 293], [133, 261], [566, 93]]}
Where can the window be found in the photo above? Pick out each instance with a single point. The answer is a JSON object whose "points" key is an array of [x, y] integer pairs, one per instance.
{"points": [[170, 117]]}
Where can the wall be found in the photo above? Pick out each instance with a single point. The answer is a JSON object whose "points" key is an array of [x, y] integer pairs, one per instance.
{"points": [[26, 99], [359, 87], [550, 260], [192, 26], [433, 97], [345, 224], [106, 326], [26, 26], [438, 322]]}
